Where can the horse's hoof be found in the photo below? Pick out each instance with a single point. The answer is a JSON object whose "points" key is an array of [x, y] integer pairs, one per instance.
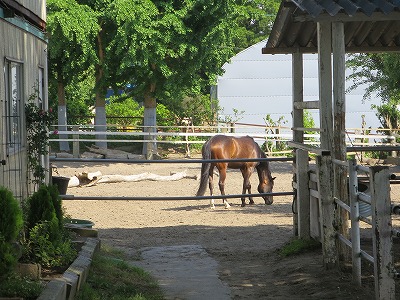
{"points": [[243, 205], [212, 207], [227, 206], [251, 203]]}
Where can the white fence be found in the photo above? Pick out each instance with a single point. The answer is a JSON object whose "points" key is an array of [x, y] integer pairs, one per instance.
{"points": [[188, 135]]}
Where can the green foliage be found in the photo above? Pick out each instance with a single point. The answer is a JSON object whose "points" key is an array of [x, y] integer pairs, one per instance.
{"points": [[298, 246], [110, 277], [47, 241], [41, 209], [308, 122], [7, 259], [127, 108], [379, 71], [165, 116], [47, 252], [21, 287], [237, 116], [57, 204], [38, 122], [11, 223], [388, 114], [270, 146], [165, 49]]}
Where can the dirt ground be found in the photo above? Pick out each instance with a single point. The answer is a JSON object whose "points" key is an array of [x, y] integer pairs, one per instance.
{"points": [[244, 241]]}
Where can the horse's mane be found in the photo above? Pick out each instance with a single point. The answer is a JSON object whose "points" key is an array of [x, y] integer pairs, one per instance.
{"points": [[263, 164]]}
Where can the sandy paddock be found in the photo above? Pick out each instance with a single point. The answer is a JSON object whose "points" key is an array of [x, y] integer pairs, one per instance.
{"points": [[243, 240]]}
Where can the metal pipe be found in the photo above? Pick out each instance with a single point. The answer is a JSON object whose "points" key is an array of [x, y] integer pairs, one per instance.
{"points": [[167, 161], [147, 198]]}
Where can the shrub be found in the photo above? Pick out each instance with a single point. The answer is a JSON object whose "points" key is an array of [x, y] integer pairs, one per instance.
{"points": [[11, 223], [47, 243], [41, 209], [21, 287]]}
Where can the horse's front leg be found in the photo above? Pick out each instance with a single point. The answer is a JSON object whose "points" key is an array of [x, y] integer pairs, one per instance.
{"points": [[221, 183]]}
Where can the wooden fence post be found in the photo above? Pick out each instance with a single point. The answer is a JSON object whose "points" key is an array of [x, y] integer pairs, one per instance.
{"points": [[75, 143], [382, 233], [327, 210], [355, 222], [303, 194]]}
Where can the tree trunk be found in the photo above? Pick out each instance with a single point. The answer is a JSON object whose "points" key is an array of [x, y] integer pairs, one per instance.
{"points": [[100, 119], [150, 123], [62, 115]]}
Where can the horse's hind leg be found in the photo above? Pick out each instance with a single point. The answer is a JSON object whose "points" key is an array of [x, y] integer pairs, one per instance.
{"points": [[221, 183], [211, 185]]}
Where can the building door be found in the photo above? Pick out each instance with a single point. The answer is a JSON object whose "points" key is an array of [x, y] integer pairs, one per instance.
{"points": [[12, 151]]}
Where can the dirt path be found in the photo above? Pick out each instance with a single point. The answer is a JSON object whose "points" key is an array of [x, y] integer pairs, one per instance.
{"points": [[243, 240]]}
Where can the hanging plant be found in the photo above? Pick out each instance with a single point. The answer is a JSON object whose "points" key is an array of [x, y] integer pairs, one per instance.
{"points": [[38, 122]]}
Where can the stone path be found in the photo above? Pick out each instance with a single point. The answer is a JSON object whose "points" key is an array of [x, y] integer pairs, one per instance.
{"points": [[184, 272]]}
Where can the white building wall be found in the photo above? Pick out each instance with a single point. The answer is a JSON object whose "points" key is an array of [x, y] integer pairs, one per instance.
{"points": [[261, 84]]}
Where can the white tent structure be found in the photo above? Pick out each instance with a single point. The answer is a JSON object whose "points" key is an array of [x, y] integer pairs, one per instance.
{"points": [[256, 84]]}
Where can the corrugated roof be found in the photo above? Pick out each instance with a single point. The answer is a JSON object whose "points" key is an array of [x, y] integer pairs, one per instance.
{"points": [[370, 25]]}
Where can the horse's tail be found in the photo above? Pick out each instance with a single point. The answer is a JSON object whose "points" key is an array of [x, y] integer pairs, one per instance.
{"points": [[205, 169]]}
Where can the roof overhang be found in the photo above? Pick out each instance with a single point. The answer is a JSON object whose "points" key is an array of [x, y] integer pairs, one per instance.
{"points": [[367, 28]]}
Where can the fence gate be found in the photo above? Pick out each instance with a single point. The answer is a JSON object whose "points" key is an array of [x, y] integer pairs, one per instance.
{"points": [[316, 205]]}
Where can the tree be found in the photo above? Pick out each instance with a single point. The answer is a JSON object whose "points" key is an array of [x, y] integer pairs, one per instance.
{"points": [[380, 72], [182, 46], [168, 49], [71, 28]]}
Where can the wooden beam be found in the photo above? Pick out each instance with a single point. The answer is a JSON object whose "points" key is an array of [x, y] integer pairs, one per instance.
{"points": [[24, 12], [349, 49], [303, 194], [306, 105], [339, 128], [297, 89], [327, 211], [325, 83], [342, 17], [382, 229], [309, 148]]}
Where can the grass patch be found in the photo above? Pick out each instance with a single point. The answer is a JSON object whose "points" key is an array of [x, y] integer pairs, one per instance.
{"points": [[297, 246], [111, 277], [17, 286]]}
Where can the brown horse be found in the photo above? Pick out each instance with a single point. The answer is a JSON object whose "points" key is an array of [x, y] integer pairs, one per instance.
{"points": [[226, 147]]}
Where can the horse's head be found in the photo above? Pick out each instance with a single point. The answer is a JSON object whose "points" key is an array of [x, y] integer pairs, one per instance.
{"points": [[266, 182], [266, 186]]}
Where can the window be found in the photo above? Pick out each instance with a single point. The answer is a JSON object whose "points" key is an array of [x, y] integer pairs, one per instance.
{"points": [[14, 105], [41, 87]]}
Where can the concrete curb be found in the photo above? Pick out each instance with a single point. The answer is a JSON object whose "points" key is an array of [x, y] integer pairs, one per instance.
{"points": [[66, 287]]}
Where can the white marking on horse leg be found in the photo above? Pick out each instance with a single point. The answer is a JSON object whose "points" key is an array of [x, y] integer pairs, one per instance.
{"points": [[226, 204], [212, 206]]}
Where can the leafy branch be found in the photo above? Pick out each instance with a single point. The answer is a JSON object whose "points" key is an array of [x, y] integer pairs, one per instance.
{"points": [[37, 123]]}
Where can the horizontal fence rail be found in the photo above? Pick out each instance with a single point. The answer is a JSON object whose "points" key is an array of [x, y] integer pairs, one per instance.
{"points": [[180, 161], [172, 198], [168, 161]]}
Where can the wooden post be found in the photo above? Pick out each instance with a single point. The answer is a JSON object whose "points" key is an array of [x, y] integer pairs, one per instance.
{"points": [[327, 210], [355, 222], [382, 233], [303, 194], [339, 138], [325, 84], [298, 122], [75, 143]]}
